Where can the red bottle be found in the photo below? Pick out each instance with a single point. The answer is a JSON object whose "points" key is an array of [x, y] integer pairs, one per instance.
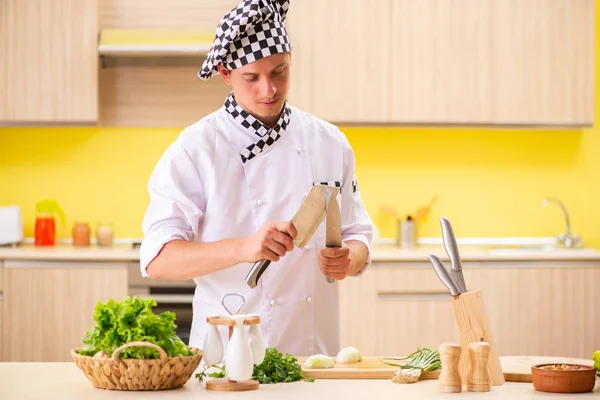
{"points": [[45, 227]]}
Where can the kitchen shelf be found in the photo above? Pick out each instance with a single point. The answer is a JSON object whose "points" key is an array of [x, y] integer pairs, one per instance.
{"points": [[154, 42]]}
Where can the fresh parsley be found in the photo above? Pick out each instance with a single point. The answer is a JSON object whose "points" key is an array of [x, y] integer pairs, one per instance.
{"points": [[216, 374], [275, 368]]}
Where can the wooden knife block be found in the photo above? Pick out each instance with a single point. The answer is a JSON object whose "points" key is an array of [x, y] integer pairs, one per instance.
{"points": [[474, 326]]}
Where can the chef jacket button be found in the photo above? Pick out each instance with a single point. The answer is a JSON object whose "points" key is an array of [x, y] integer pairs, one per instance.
{"points": [[259, 202], [307, 247], [272, 302], [300, 150], [309, 299]]}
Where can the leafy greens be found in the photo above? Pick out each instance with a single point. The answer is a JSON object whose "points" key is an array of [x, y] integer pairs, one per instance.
{"points": [[129, 320], [275, 368]]}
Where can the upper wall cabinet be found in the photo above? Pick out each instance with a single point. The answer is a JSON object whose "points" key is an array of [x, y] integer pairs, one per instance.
{"points": [[152, 51], [490, 62], [49, 61], [542, 65], [341, 63]]}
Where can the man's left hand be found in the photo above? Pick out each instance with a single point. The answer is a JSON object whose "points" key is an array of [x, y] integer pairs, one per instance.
{"points": [[335, 262]]}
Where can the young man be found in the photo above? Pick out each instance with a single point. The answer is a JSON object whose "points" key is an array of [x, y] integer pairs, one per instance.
{"points": [[222, 195]]}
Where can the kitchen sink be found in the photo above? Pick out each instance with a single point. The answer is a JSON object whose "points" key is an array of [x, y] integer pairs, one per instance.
{"points": [[538, 249]]}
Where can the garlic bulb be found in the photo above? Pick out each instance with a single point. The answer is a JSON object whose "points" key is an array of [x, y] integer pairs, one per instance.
{"points": [[318, 361], [349, 355]]}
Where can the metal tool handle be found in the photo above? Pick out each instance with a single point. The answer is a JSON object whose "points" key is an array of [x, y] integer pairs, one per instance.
{"points": [[442, 273], [257, 270], [239, 307], [327, 278]]}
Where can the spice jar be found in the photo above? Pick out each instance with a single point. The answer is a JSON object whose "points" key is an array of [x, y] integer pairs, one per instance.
{"points": [[81, 234], [104, 234]]}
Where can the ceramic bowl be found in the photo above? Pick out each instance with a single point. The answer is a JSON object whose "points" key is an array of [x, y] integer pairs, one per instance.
{"points": [[563, 378]]}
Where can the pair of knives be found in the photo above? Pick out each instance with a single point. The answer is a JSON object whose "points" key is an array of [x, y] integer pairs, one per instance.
{"points": [[318, 203], [453, 278]]}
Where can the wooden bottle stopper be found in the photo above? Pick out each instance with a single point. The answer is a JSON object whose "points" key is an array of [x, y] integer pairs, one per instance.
{"points": [[478, 379], [450, 380]]}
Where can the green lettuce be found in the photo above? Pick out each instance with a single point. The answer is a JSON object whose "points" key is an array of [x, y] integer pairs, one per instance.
{"points": [[129, 320], [596, 357]]}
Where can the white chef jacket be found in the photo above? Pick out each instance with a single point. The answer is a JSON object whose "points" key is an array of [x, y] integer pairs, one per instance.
{"points": [[202, 191]]}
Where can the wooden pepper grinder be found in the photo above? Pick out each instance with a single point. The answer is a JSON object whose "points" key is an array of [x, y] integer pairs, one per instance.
{"points": [[478, 379], [450, 380]]}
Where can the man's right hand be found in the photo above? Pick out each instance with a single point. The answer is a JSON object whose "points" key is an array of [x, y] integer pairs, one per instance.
{"points": [[272, 242]]}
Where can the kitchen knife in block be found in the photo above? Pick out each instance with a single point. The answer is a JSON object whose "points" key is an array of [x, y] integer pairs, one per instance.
{"points": [[309, 216], [474, 326]]}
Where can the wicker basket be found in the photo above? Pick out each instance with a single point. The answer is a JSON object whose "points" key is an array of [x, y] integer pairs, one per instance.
{"points": [[138, 374]]}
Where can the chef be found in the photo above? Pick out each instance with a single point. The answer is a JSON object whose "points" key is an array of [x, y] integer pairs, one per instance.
{"points": [[223, 193]]}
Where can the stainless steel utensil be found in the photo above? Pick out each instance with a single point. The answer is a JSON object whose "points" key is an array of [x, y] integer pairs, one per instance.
{"points": [[452, 278], [452, 250], [333, 232], [310, 214], [442, 273]]}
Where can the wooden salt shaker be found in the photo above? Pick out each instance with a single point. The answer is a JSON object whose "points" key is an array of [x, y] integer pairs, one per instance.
{"points": [[450, 380], [478, 379]]}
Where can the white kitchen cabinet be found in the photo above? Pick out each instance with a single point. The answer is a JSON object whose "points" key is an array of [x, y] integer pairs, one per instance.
{"points": [[49, 305], [49, 62], [547, 308]]}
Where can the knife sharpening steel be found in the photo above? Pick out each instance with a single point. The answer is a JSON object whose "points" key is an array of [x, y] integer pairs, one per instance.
{"points": [[474, 326]]}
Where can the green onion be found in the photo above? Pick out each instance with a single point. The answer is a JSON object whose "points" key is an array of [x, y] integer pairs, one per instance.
{"points": [[420, 361]]}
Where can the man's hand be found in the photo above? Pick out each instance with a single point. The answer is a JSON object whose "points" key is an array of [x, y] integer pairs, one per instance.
{"points": [[272, 242], [335, 262]]}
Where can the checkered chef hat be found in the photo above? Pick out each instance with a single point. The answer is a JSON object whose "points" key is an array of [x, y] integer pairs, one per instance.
{"points": [[251, 31]]}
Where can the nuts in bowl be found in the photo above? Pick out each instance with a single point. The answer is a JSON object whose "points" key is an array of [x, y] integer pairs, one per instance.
{"points": [[563, 378]]}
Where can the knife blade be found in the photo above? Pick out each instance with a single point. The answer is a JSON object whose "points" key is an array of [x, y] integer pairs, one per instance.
{"points": [[333, 227], [442, 273], [307, 218], [452, 249]]}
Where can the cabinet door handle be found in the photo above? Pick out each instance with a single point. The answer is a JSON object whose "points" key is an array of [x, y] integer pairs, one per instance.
{"points": [[412, 296]]}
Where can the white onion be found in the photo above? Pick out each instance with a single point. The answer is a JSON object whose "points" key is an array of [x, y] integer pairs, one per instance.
{"points": [[349, 355], [318, 361]]}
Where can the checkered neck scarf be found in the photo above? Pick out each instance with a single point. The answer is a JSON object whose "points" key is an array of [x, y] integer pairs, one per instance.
{"points": [[267, 136], [251, 31]]}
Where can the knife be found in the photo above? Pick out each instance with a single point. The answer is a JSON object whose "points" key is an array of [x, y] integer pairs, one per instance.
{"points": [[442, 273], [452, 249], [333, 227], [309, 216]]}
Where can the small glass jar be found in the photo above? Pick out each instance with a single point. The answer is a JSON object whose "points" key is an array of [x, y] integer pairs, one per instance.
{"points": [[104, 234], [81, 234]]}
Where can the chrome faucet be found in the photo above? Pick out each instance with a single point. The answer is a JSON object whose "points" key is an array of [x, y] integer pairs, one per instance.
{"points": [[568, 239]]}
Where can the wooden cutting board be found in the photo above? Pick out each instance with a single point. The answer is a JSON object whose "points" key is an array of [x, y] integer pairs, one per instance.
{"points": [[515, 368]]}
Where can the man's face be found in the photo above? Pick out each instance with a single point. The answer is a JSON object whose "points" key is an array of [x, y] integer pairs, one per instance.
{"points": [[261, 87]]}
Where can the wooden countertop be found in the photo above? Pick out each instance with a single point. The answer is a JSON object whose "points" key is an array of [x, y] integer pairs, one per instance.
{"points": [[380, 253], [65, 381]]}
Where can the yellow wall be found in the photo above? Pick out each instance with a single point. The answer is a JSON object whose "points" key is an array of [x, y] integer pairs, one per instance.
{"points": [[489, 182]]}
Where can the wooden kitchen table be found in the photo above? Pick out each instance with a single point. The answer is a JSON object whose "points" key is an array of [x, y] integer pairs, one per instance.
{"points": [[64, 381]]}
